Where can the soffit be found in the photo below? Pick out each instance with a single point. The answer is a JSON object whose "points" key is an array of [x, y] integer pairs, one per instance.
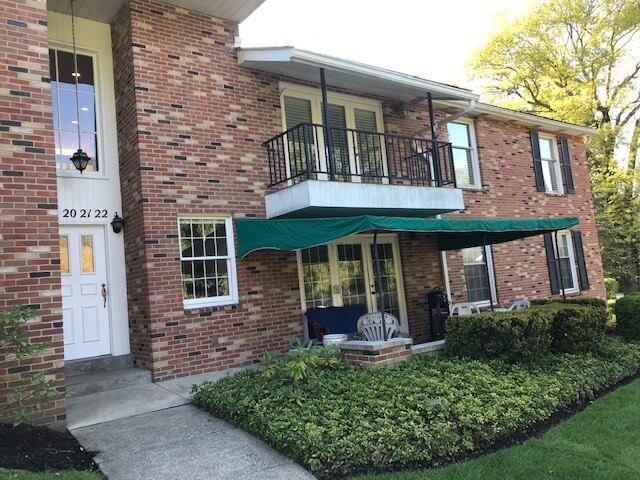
{"points": [[105, 10], [348, 75]]}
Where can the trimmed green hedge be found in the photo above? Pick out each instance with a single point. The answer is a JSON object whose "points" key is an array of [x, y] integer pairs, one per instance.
{"points": [[424, 413], [576, 328], [588, 301], [516, 336], [627, 311], [523, 335]]}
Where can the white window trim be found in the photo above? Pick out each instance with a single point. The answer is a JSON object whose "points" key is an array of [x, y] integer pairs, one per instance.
{"points": [[100, 99], [349, 102], [572, 261], [492, 280], [556, 161], [232, 298], [477, 185]]}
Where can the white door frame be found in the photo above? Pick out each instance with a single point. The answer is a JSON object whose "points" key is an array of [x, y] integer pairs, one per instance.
{"points": [[365, 240], [94, 198]]}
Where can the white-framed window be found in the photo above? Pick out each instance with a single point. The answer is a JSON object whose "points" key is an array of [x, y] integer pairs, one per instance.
{"points": [[69, 115], [207, 257], [480, 290], [465, 153], [565, 263], [550, 164]]}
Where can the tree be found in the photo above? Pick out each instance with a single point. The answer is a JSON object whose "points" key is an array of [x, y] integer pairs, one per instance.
{"points": [[579, 61]]}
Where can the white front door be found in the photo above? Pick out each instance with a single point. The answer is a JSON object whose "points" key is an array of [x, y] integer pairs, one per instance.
{"points": [[85, 292]]}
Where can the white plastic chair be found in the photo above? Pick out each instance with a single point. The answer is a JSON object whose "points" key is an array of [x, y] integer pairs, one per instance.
{"points": [[370, 326], [464, 308], [519, 305]]}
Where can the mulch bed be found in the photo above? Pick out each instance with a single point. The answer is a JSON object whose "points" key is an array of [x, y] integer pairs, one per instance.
{"points": [[37, 449]]}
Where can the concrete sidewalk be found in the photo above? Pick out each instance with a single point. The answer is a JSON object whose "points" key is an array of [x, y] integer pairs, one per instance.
{"points": [[152, 432]]}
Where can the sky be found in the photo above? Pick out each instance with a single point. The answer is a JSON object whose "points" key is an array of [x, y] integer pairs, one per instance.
{"points": [[430, 39]]}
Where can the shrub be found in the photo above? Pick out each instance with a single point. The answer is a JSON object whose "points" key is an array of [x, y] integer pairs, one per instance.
{"points": [[424, 413], [300, 362], [612, 286], [627, 311], [36, 389], [510, 336], [592, 302], [576, 328]]}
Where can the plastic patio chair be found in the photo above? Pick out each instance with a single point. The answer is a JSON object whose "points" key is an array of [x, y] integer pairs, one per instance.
{"points": [[370, 326], [519, 305], [464, 308]]}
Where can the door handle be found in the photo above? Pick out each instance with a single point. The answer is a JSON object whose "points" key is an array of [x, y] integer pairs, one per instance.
{"points": [[104, 295]]}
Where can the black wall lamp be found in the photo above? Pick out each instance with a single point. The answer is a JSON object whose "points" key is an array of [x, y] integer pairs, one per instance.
{"points": [[401, 109], [117, 223]]}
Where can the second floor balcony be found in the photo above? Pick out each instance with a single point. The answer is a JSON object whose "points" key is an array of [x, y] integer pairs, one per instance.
{"points": [[319, 171]]}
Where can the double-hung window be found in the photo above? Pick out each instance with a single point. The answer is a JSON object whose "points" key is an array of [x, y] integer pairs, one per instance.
{"points": [[479, 287], [207, 257], [465, 154], [550, 164], [562, 262]]}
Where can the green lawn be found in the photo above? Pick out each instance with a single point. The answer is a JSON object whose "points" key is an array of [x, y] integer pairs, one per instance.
{"points": [[600, 443], [65, 475]]}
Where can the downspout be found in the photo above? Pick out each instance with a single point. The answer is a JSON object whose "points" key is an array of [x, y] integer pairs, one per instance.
{"points": [[434, 130]]}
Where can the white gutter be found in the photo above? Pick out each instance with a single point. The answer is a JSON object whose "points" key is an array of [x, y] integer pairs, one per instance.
{"points": [[455, 116], [470, 106]]}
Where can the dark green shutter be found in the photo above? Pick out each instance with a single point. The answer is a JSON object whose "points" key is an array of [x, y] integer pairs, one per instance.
{"points": [[537, 161], [582, 266], [552, 263], [566, 163]]}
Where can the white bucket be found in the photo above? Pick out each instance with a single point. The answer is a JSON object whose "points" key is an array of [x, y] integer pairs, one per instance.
{"points": [[334, 338]]}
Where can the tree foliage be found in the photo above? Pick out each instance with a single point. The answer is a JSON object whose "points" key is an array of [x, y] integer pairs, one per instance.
{"points": [[578, 61]]}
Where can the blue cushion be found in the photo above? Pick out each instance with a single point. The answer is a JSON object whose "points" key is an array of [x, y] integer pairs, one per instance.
{"points": [[337, 319]]}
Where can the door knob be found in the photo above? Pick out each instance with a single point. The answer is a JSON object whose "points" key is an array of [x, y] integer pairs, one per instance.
{"points": [[104, 295]]}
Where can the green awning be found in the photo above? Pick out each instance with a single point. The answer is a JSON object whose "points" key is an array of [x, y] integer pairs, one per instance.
{"points": [[452, 233]]}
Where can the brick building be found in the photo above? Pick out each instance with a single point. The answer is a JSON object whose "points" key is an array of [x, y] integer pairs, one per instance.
{"points": [[174, 118]]}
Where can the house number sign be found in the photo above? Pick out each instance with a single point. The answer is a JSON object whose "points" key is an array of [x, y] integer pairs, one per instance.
{"points": [[84, 213]]}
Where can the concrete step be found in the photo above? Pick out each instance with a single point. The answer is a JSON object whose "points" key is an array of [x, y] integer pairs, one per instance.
{"points": [[97, 364], [96, 382]]}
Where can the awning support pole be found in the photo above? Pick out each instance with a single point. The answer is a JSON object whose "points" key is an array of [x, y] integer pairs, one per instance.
{"points": [[486, 269], [435, 154], [328, 134], [376, 258], [558, 268]]}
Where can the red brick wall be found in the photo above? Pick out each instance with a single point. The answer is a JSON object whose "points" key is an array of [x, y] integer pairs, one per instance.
{"points": [[506, 171], [191, 122], [421, 272], [29, 258], [194, 147]]}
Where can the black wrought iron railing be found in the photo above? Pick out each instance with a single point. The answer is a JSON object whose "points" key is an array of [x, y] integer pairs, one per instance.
{"points": [[312, 152]]}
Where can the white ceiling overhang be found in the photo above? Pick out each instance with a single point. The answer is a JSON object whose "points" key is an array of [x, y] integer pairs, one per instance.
{"points": [[105, 10], [348, 75]]}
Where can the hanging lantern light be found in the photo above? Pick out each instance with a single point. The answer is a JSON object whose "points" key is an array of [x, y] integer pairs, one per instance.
{"points": [[80, 159]]}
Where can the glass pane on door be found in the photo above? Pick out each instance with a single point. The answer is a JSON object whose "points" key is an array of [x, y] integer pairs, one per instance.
{"points": [[369, 159], [351, 272], [301, 146], [389, 279], [316, 277], [337, 136]]}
